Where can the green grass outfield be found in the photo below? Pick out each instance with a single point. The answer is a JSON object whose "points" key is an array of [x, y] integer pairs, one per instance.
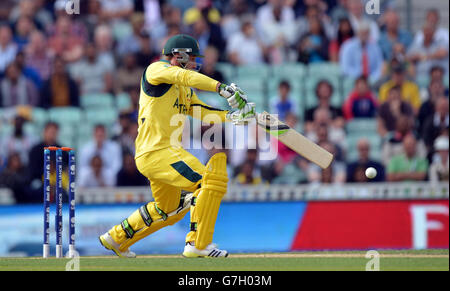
{"points": [[426, 260]]}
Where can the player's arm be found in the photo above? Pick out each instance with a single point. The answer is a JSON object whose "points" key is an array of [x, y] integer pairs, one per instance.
{"points": [[200, 109], [179, 76]]}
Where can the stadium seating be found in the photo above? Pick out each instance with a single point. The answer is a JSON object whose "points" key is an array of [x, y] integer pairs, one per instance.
{"points": [[123, 102], [324, 69], [362, 126], [97, 100], [65, 115], [256, 71], [228, 71], [105, 116]]}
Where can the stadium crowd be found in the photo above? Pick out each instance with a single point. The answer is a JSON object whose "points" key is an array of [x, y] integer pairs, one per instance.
{"points": [[49, 58]]}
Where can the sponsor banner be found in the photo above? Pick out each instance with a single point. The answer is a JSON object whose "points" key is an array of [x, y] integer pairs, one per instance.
{"points": [[343, 225], [240, 227]]}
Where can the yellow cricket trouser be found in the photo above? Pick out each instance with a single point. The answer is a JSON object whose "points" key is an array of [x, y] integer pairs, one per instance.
{"points": [[170, 171]]}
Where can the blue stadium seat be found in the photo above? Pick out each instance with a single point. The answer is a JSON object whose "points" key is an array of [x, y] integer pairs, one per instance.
{"points": [[228, 71], [101, 100], [290, 70], [324, 68], [39, 115], [362, 125], [310, 90], [123, 102], [105, 116], [63, 115], [253, 71]]}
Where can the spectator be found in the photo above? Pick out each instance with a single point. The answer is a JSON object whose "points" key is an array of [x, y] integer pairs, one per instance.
{"points": [[361, 56], [323, 129], [234, 13], [432, 18], [96, 175], [439, 169], [344, 33], [208, 34], [315, 11], [276, 22], [65, 40], [394, 41], [91, 17], [392, 144], [103, 40], [390, 110], [92, 75], [283, 104], [202, 7], [358, 17], [436, 124], [361, 103], [244, 48], [428, 52], [116, 11], [160, 33], [407, 166], [131, 44], [129, 175], [409, 91], [356, 170], [16, 89], [340, 11], [20, 141], [8, 49], [435, 91], [146, 53], [246, 175], [437, 75], [23, 29], [60, 89], [14, 177], [37, 55], [313, 46], [36, 154], [129, 74], [33, 10], [209, 64], [109, 152], [28, 72], [335, 174], [324, 91]]}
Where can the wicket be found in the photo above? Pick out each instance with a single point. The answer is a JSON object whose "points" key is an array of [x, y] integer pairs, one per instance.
{"points": [[59, 200]]}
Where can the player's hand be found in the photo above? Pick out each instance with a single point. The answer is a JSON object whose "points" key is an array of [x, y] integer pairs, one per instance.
{"points": [[235, 96], [242, 116]]}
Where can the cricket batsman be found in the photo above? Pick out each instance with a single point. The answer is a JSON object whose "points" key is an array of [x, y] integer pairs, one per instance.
{"points": [[179, 181]]}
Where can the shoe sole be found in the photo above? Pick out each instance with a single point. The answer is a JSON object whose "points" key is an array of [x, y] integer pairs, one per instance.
{"points": [[107, 246], [194, 255]]}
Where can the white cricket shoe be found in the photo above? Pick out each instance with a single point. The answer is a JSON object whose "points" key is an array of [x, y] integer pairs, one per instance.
{"points": [[107, 241], [211, 251]]}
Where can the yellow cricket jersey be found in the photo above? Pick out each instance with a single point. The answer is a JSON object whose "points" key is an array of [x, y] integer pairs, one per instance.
{"points": [[166, 98]]}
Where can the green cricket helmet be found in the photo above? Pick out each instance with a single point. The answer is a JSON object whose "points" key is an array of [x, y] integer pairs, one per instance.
{"points": [[183, 44]]}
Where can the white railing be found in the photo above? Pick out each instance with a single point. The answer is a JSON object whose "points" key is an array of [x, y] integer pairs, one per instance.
{"points": [[310, 192]]}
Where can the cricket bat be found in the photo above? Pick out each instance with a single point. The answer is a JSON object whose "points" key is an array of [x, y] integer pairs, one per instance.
{"points": [[294, 140]]}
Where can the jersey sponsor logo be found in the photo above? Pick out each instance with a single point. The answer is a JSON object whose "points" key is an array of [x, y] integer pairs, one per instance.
{"points": [[180, 106]]}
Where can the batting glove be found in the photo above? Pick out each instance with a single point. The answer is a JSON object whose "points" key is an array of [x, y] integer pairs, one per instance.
{"points": [[242, 116], [235, 96]]}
